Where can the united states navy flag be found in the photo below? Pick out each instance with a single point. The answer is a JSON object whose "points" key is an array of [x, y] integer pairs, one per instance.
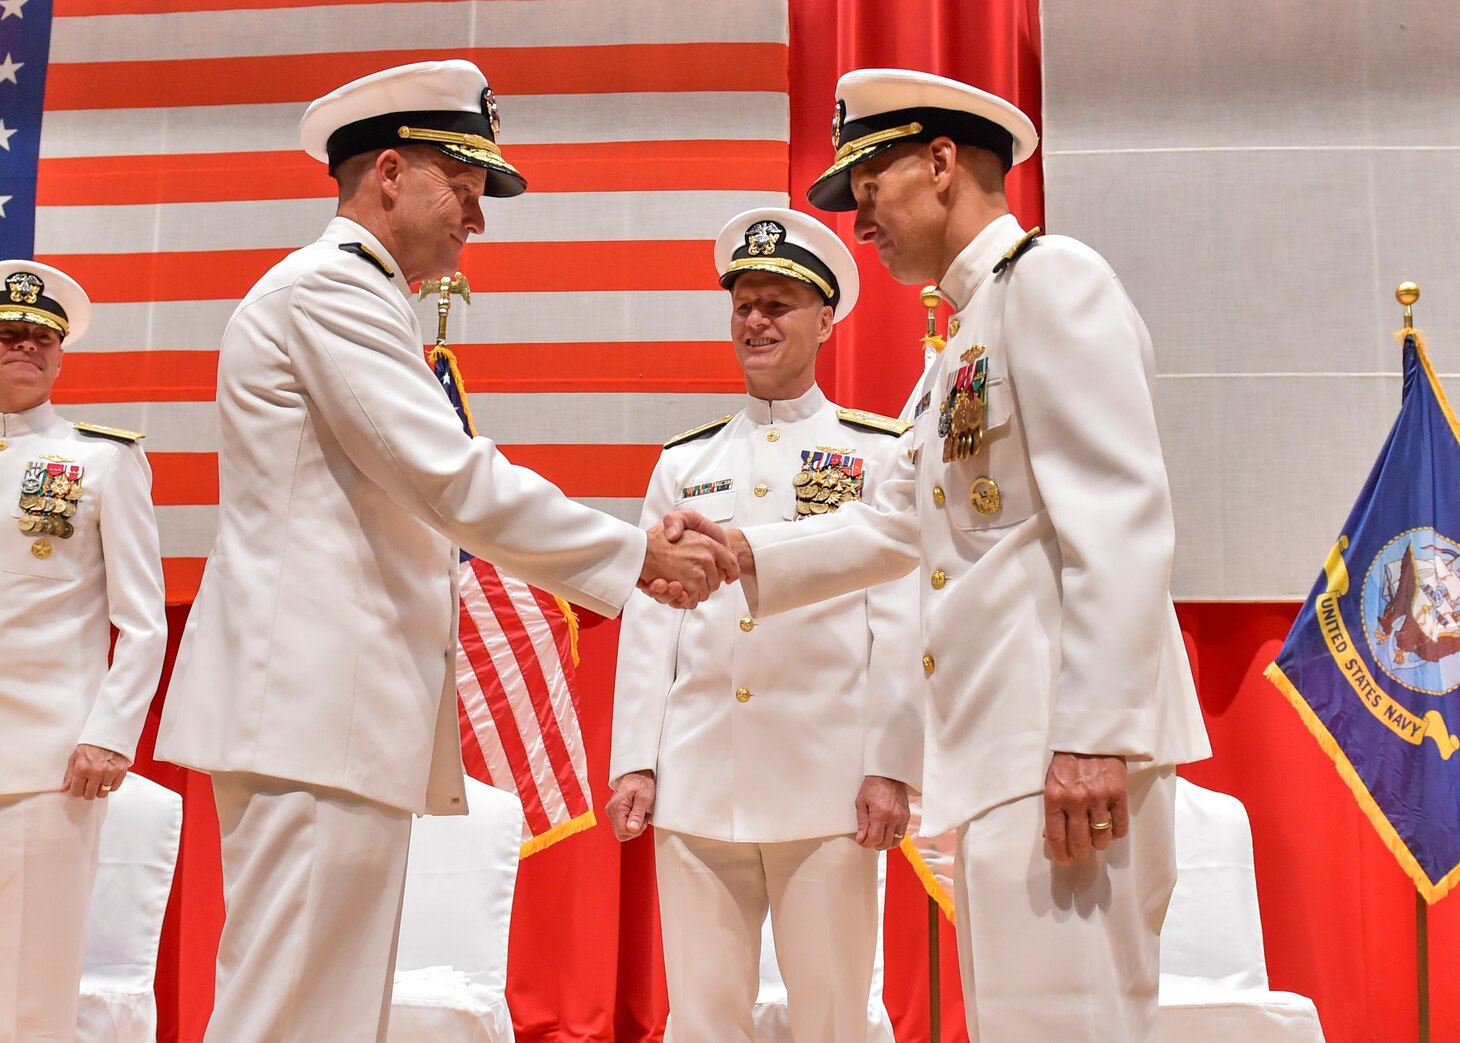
{"points": [[1372, 663]]}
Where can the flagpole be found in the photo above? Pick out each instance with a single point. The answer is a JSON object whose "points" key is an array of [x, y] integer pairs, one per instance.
{"points": [[1407, 293], [935, 984], [931, 298]]}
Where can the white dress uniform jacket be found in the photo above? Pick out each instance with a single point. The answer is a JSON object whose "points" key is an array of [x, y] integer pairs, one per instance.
{"points": [[1052, 628], [322, 645], [762, 730], [57, 611]]}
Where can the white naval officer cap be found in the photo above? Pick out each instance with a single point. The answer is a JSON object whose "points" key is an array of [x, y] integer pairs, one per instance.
{"points": [[445, 105], [785, 242], [37, 293], [877, 108]]}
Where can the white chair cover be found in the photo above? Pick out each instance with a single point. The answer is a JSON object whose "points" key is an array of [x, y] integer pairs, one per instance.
{"points": [[1213, 971], [451, 962], [773, 1016], [136, 858]]}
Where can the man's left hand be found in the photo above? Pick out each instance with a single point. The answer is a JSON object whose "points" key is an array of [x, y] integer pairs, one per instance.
{"points": [[94, 772], [881, 812], [1085, 806]]}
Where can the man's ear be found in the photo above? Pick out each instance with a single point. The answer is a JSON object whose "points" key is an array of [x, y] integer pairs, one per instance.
{"points": [[943, 154], [390, 165], [823, 332]]}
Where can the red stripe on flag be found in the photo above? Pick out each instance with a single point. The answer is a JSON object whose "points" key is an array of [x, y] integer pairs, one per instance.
{"points": [[612, 166], [590, 470], [180, 479], [138, 376], [180, 579], [506, 724], [569, 267], [701, 367], [607, 470], [539, 694], [271, 79]]}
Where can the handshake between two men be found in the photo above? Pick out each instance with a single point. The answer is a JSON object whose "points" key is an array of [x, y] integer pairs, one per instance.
{"points": [[688, 557]]}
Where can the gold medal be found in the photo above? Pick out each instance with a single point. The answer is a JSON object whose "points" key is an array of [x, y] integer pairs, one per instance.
{"points": [[64, 529], [985, 496], [41, 548]]}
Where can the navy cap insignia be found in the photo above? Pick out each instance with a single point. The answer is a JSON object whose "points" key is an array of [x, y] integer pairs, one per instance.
{"points": [[490, 110], [761, 238], [837, 119], [24, 287]]}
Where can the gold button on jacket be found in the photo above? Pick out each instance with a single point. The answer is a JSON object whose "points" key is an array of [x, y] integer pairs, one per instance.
{"points": [[742, 694], [928, 664], [939, 497], [939, 579], [761, 488]]}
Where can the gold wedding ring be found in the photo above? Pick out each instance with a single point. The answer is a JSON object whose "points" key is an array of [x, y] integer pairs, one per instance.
{"points": [[1100, 825]]}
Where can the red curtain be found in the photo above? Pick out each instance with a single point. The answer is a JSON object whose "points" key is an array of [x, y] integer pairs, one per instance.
{"points": [[585, 962]]}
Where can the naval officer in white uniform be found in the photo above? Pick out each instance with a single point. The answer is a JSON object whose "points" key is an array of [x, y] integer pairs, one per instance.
{"points": [[1059, 696], [773, 756], [78, 556], [316, 679]]}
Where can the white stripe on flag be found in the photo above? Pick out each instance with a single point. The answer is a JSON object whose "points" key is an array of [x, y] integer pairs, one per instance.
{"points": [[535, 119], [415, 26], [290, 223], [597, 418], [598, 316]]}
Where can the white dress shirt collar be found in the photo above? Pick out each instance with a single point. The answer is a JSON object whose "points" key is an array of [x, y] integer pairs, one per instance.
{"points": [[977, 259], [34, 421], [786, 410]]}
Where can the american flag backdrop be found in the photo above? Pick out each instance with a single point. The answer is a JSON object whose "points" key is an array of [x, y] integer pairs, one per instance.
{"points": [[163, 171]]}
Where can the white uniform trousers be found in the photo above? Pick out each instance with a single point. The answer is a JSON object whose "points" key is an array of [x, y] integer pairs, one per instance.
{"points": [[48, 850], [713, 897], [1064, 953], [312, 882]]}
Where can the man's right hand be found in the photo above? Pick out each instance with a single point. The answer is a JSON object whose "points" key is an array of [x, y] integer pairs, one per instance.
{"points": [[632, 804], [686, 562]]}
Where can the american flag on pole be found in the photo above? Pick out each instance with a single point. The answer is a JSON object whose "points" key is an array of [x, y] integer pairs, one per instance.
{"points": [[150, 148], [515, 697]]}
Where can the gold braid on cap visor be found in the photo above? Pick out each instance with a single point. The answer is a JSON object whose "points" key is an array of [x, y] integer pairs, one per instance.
{"points": [[482, 150], [858, 148], [781, 266], [24, 313]]}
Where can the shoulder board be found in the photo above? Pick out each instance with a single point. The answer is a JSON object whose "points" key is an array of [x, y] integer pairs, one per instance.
{"points": [[1018, 248], [699, 432], [116, 434], [872, 421], [364, 252]]}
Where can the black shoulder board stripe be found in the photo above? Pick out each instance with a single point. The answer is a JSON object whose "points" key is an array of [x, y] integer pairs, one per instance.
{"points": [[116, 434], [363, 251], [1018, 248], [699, 432], [872, 421]]}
